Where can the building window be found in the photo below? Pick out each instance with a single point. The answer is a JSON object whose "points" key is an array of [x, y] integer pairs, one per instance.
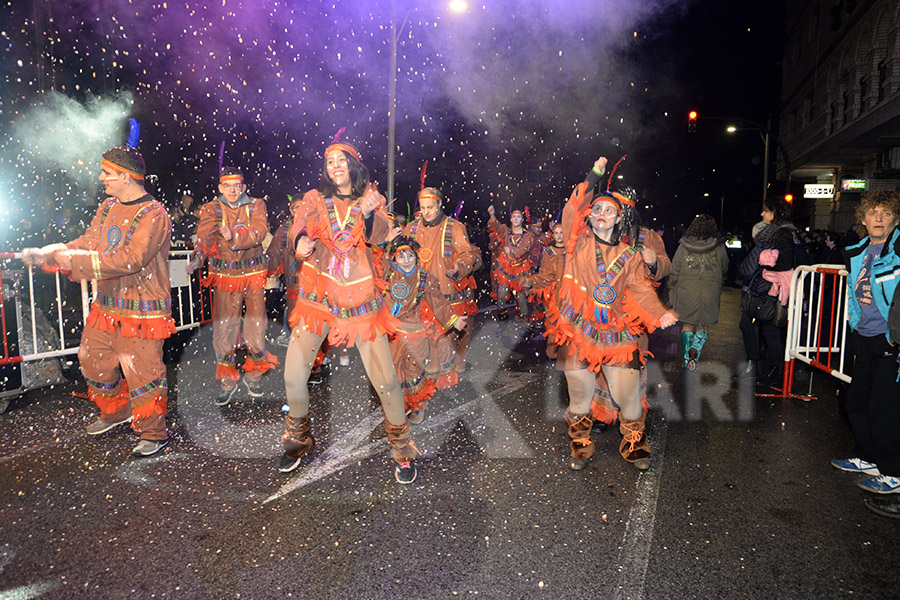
{"points": [[832, 118], [882, 78], [846, 116], [863, 94]]}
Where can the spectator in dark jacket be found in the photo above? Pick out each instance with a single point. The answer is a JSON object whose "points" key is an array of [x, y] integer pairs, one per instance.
{"points": [[775, 232]]}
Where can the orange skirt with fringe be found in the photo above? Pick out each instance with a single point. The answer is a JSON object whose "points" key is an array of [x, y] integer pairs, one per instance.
{"points": [[235, 283], [149, 328]]}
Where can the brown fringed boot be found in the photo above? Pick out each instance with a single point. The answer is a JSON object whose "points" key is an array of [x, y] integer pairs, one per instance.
{"points": [[297, 441], [634, 447], [581, 445], [403, 449]]}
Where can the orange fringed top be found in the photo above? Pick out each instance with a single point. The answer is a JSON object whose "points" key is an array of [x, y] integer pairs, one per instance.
{"points": [[445, 247], [239, 264], [127, 246], [600, 314], [339, 288]]}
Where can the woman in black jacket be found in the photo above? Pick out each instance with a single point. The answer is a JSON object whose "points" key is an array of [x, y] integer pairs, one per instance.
{"points": [[774, 232]]}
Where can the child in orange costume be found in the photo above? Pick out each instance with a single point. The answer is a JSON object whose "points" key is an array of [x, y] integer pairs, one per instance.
{"points": [[604, 303], [416, 297]]}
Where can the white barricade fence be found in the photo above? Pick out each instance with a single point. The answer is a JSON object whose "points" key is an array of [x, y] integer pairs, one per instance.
{"points": [[817, 323], [48, 325]]}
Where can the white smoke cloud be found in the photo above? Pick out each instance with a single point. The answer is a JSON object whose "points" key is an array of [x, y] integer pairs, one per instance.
{"points": [[61, 137]]}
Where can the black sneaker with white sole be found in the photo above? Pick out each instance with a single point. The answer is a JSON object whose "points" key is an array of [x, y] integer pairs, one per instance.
{"points": [[287, 464], [225, 396], [148, 448], [254, 388], [404, 472]]}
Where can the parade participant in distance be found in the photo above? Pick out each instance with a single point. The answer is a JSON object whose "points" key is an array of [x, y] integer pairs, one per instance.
{"points": [[604, 302], [872, 400], [513, 261], [446, 253], [545, 283], [126, 250], [338, 298], [696, 284], [415, 296], [230, 234]]}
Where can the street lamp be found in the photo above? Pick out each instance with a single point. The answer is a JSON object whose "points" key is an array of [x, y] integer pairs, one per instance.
{"points": [[456, 6], [784, 154]]}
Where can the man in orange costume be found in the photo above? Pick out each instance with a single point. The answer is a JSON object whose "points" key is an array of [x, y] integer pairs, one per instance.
{"points": [[446, 253], [230, 234], [126, 250]]}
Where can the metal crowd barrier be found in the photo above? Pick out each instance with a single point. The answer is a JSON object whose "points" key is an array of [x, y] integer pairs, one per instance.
{"points": [[817, 324], [29, 334]]}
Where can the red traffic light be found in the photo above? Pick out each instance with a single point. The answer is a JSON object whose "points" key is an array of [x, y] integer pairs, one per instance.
{"points": [[692, 121], [692, 115], [788, 198]]}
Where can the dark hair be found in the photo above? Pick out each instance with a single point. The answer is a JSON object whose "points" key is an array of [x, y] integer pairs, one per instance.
{"points": [[359, 178], [702, 227], [630, 225], [127, 157], [779, 208], [402, 240], [228, 171]]}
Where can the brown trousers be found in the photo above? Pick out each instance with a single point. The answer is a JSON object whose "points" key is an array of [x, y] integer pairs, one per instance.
{"points": [[227, 325], [141, 363]]}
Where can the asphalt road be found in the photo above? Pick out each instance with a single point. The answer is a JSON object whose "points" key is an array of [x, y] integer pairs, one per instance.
{"points": [[741, 501]]}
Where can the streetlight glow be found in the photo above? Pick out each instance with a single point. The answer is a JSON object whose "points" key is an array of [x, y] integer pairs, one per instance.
{"points": [[731, 129], [458, 6]]}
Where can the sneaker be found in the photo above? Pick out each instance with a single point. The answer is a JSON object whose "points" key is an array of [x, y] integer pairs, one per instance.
{"points": [[148, 447], [855, 465], [224, 397], [404, 472], [254, 388], [642, 464], [692, 360], [416, 417], [98, 426], [886, 507], [288, 464], [316, 378], [881, 484]]}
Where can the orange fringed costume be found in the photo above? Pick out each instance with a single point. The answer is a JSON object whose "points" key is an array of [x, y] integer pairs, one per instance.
{"points": [[602, 406], [415, 299], [604, 300], [444, 247], [512, 267], [545, 285], [237, 272], [337, 285], [131, 316]]}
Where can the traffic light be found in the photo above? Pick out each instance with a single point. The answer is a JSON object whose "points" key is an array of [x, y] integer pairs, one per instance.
{"points": [[789, 198], [692, 121]]}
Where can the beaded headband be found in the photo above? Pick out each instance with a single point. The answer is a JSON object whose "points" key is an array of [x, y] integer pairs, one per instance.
{"points": [[120, 169]]}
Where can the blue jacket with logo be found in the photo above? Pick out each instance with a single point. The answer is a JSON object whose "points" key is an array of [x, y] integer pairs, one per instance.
{"points": [[885, 276]]}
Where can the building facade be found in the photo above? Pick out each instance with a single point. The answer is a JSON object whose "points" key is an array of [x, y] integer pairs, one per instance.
{"points": [[840, 104]]}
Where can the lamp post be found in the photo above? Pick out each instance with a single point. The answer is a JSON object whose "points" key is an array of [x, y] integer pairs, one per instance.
{"points": [[769, 134], [457, 6]]}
